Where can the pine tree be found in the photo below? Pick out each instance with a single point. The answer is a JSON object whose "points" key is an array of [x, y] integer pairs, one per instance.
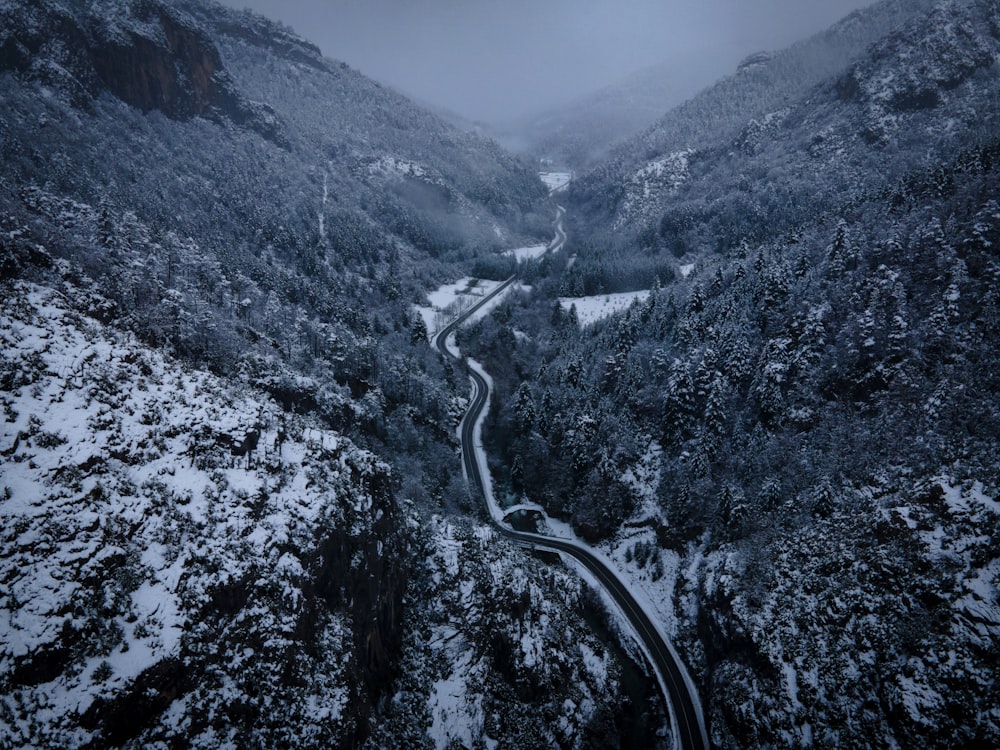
{"points": [[824, 500], [524, 410], [106, 231], [572, 319], [517, 473], [733, 509], [714, 426], [679, 402], [770, 383], [418, 330], [557, 317], [840, 255]]}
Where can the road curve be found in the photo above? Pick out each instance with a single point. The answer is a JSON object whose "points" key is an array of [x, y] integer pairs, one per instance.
{"points": [[688, 723]]}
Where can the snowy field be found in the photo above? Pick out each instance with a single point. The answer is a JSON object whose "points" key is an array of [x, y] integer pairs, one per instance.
{"points": [[528, 253], [599, 306], [556, 181], [447, 302]]}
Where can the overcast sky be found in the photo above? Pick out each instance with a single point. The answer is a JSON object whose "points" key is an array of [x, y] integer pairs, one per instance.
{"points": [[498, 59]]}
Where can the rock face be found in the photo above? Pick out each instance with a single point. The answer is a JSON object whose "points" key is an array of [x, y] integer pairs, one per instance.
{"points": [[151, 56], [173, 69]]}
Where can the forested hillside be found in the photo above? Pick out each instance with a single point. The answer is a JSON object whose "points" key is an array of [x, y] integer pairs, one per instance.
{"points": [[233, 505], [642, 111], [737, 114], [225, 436], [817, 394], [239, 199]]}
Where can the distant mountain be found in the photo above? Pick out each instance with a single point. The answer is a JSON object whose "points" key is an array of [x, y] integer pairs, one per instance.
{"points": [[580, 134], [635, 113]]}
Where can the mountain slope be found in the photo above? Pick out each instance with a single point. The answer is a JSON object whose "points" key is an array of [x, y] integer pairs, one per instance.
{"points": [[223, 428], [795, 442], [643, 109], [755, 98], [918, 98], [273, 238], [172, 542], [581, 133]]}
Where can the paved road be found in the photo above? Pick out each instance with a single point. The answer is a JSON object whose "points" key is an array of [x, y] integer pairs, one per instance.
{"points": [[560, 239], [688, 724]]}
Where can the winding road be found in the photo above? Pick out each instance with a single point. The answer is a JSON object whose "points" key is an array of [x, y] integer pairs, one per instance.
{"points": [[686, 716]]}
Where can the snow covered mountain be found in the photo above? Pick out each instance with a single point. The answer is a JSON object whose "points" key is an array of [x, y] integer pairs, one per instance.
{"points": [[182, 561], [582, 134], [232, 501], [748, 161], [225, 438], [791, 436]]}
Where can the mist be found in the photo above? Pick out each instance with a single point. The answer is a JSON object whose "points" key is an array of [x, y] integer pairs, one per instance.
{"points": [[497, 61]]}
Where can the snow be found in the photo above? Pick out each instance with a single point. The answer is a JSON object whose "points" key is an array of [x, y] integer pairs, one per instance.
{"points": [[599, 306], [528, 253], [457, 713], [394, 165], [791, 685], [596, 665], [643, 478], [118, 483], [556, 181], [686, 269], [449, 301]]}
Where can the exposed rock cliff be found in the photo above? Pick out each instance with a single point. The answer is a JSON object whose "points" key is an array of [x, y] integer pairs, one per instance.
{"points": [[151, 55]]}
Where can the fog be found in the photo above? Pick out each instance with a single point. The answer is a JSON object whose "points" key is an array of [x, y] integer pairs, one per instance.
{"points": [[496, 60]]}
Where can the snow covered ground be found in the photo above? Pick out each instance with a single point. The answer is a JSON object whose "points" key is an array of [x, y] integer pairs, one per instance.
{"points": [[449, 301], [556, 181], [561, 667], [134, 494], [599, 306], [528, 253]]}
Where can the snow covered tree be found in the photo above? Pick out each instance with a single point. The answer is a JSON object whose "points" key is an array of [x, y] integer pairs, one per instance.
{"points": [[418, 330], [678, 402], [524, 410]]}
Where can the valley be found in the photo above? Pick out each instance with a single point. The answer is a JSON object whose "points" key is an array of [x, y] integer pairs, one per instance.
{"points": [[329, 422]]}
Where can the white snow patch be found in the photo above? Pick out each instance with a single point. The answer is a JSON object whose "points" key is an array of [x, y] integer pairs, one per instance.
{"points": [[449, 301], [456, 712], [394, 165], [528, 253], [556, 181], [599, 306]]}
